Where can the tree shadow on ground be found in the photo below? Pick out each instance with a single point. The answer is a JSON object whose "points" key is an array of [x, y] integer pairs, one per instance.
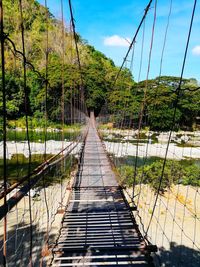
{"points": [[178, 256], [18, 246]]}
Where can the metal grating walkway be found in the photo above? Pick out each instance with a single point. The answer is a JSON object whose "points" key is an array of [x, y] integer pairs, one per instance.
{"points": [[98, 228]]}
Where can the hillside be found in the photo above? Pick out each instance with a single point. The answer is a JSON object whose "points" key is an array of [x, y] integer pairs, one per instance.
{"points": [[98, 73]]}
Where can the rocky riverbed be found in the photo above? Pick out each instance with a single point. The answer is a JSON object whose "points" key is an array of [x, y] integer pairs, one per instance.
{"points": [[52, 147], [182, 145]]}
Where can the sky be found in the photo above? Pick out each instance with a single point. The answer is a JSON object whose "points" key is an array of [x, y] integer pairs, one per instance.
{"points": [[109, 25]]}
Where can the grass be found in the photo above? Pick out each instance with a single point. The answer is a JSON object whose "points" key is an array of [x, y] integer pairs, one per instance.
{"points": [[39, 123], [106, 126], [39, 136], [16, 131], [130, 161]]}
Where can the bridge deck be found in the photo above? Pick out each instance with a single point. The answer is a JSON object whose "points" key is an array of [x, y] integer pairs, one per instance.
{"points": [[98, 228]]}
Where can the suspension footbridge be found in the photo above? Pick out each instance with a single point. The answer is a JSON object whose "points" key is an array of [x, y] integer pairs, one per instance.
{"points": [[98, 226], [97, 169]]}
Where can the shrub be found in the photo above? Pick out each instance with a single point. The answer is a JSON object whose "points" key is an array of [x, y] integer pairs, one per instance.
{"points": [[174, 172]]}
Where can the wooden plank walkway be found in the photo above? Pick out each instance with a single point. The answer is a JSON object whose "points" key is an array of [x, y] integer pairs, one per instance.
{"points": [[98, 228]]}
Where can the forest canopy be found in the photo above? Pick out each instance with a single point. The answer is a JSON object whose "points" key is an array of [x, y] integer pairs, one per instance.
{"points": [[97, 71]]}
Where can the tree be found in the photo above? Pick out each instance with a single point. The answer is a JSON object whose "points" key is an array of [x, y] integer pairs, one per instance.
{"points": [[161, 99]]}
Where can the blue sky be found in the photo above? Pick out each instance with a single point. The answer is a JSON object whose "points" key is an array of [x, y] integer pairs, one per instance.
{"points": [[105, 24]]}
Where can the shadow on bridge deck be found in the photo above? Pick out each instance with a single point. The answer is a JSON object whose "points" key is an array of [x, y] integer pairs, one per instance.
{"points": [[98, 228]]}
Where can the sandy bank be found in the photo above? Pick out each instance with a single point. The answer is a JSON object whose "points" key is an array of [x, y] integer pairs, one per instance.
{"points": [[175, 225]]}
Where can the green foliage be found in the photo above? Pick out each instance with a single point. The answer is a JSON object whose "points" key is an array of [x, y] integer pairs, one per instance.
{"points": [[153, 174], [124, 97], [98, 76], [35, 122], [126, 174], [174, 172], [191, 175], [161, 99], [14, 95], [98, 71], [158, 99]]}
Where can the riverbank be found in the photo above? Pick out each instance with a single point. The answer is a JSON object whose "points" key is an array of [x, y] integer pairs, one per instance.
{"points": [[121, 143], [184, 138], [175, 224], [39, 135], [18, 225], [117, 148], [39, 124], [152, 150], [52, 147]]}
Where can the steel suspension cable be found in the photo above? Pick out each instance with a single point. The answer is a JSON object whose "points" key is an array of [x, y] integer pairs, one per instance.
{"points": [[27, 125], [174, 114], [132, 43], [77, 49], [142, 52], [75, 36], [62, 73], [165, 37], [160, 71], [63, 92], [139, 74], [133, 40], [143, 105], [45, 126], [4, 111], [46, 77]]}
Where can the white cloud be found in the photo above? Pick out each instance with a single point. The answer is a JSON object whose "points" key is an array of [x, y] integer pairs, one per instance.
{"points": [[196, 50], [116, 40]]}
